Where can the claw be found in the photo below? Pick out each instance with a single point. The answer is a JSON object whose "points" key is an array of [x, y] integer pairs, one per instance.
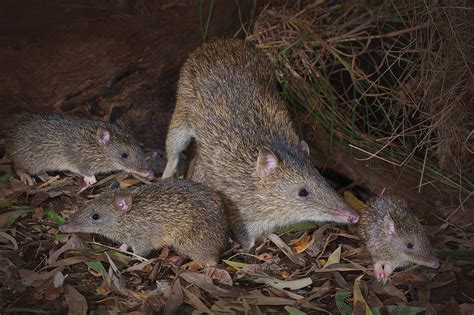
{"points": [[90, 180]]}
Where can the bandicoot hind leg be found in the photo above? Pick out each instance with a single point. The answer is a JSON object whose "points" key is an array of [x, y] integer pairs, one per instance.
{"points": [[178, 139], [25, 177]]}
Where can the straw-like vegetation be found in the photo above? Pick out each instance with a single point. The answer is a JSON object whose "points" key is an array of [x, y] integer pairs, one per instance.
{"points": [[393, 80]]}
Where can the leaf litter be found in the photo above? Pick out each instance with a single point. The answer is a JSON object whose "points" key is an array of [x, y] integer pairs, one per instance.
{"points": [[304, 269]]}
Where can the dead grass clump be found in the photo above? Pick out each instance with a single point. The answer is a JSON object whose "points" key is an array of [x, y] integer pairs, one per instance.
{"points": [[392, 79]]}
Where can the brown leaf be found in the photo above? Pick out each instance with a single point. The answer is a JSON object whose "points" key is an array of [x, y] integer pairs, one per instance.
{"points": [[221, 275], [205, 283], [193, 300], [175, 299], [141, 266], [74, 242], [153, 304], [76, 301], [193, 266], [387, 289], [35, 279], [305, 241]]}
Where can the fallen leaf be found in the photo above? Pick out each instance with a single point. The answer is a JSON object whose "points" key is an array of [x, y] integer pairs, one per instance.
{"points": [[237, 265], [76, 301], [205, 283], [267, 300], [67, 261], [8, 218], [58, 280], [354, 202], [221, 275], [302, 243], [193, 266], [35, 279], [294, 311], [297, 259], [359, 301], [56, 218], [334, 258], [287, 284], [343, 307], [97, 266], [74, 242], [300, 226], [11, 239], [175, 299], [141, 266], [194, 301], [398, 310], [387, 289]]}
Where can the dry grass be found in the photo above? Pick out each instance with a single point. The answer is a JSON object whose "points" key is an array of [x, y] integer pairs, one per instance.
{"points": [[393, 80]]}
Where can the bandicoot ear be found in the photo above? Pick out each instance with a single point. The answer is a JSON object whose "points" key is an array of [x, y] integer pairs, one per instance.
{"points": [[123, 203], [389, 226], [304, 147], [266, 162], [103, 135]]}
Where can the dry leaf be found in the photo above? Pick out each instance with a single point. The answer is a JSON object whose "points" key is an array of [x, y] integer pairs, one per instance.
{"points": [[302, 243], [175, 299], [193, 300], [74, 242], [334, 258], [353, 202], [205, 283], [287, 284], [35, 279], [76, 301], [221, 275]]}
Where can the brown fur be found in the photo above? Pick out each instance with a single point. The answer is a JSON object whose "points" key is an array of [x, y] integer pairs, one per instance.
{"points": [[228, 101], [177, 213], [391, 250], [53, 142]]}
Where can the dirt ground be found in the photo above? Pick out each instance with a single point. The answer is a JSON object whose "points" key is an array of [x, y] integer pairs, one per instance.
{"points": [[119, 60]]}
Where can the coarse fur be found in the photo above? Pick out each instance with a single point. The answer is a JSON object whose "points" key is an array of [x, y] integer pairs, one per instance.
{"points": [[43, 142], [177, 213], [246, 147], [387, 227]]}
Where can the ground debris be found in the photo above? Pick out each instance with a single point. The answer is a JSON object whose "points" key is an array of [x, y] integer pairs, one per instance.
{"points": [[44, 270]]}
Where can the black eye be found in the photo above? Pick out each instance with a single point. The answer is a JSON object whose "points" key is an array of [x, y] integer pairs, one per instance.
{"points": [[303, 192], [409, 245], [95, 216], [124, 155]]}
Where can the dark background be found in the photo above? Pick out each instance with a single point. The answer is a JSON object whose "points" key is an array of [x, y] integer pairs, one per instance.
{"points": [[119, 60]]}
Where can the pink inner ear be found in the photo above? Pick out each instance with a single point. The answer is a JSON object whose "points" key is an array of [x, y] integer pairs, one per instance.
{"points": [[103, 135], [122, 204], [266, 162], [390, 227], [305, 147], [106, 136]]}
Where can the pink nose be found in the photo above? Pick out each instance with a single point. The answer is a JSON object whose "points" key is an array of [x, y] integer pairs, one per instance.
{"points": [[435, 263], [67, 228], [148, 174], [353, 218]]}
